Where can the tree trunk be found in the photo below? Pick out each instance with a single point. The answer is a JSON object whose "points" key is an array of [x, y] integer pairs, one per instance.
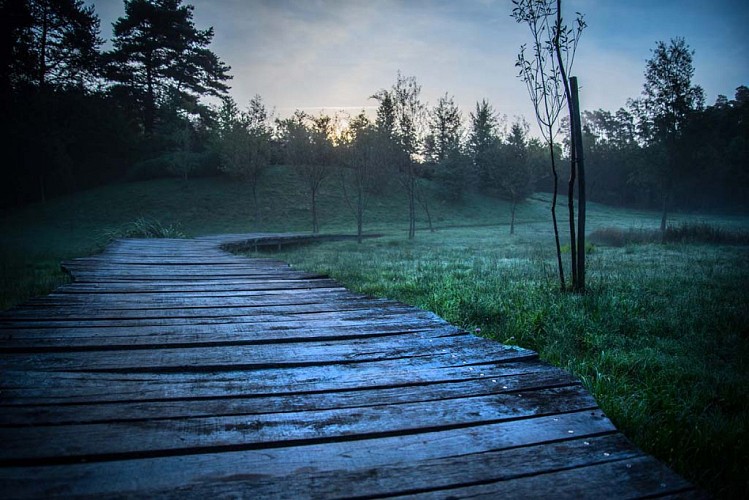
{"points": [[571, 184], [150, 104], [255, 205], [664, 213], [425, 203], [581, 195], [359, 215], [512, 215], [411, 207], [43, 48], [571, 204], [554, 213], [315, 228]]}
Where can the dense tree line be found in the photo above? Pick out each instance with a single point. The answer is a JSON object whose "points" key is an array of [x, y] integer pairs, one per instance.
{"points": [[704, 168], [76, 116]]}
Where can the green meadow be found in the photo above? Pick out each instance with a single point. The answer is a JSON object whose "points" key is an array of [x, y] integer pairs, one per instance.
{"points": [[661, 338]]}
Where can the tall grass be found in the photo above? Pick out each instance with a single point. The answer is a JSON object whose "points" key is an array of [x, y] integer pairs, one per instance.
{"points": [[143, 227]]}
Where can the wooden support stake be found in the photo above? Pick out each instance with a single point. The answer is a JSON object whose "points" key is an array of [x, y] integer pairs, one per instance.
{"points": [[578, 140]]}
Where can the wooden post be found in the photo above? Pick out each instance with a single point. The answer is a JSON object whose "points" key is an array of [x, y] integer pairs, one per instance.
{"points": [[578, 140]]}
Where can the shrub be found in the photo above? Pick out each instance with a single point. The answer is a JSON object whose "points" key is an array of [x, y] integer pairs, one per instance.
{"points": [[617, 237], [702, 232], [143, 227], [696, 232]]}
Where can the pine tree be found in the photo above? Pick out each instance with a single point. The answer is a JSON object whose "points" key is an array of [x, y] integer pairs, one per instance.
{"points": [[159, 55]]}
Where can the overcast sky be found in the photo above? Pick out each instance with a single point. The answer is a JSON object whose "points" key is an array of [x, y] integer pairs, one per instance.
{"points": [[333, 54]]}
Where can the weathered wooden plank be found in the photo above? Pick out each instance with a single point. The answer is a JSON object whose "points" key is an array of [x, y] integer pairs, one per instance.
{"points": [[25, 387], [72, 339], [148, 258], [99, 304], [83, 277], [183, 259], [288, 400], [73, 297], [164, 473], [329, 319], [70, 443], [635, 477], [199, 316], [456, 347], [430, 476], [158, 271], [294, 305], [167, 300], [196, 286], [186, 260]]}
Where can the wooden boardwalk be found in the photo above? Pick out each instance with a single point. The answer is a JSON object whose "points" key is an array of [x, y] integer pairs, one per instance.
{"points": [[170, 368]]}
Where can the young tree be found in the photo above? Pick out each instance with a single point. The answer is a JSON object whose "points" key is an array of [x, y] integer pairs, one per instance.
{"points": [[183, 158], [245, 144], [401, 117], [668, 99], [443, 148], [514, 173], [445, 130], [362, 159], [545, 75], [158, 54], [543, 81], [484, 130], [565, 46], [308, 147]]}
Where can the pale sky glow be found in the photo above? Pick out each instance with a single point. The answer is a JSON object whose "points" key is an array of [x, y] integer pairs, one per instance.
{"points": [[330, 55]]}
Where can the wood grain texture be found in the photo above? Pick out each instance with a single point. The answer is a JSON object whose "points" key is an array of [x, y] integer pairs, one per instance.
{"points": [[171, 368]]}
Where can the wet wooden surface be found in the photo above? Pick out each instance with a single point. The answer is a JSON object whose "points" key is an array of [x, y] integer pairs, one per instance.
{"points": [[171, 368]]}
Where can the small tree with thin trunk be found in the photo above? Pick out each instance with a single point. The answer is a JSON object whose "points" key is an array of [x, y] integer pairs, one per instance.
{"points": [[443, 149], [308, 147], [401, 119], [445, 130], [513, 175], [360, 149], [545, 75], [483, 132], [245, 144]]}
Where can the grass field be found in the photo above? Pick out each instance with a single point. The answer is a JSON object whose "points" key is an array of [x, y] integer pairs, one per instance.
{"points": [[661, 338]]}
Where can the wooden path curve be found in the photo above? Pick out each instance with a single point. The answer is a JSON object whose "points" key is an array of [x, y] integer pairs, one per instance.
{"points": [[171, 368]]}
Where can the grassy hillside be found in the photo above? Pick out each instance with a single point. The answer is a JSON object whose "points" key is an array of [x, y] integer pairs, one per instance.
{"points": [[34, 239], [660, 338]]}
